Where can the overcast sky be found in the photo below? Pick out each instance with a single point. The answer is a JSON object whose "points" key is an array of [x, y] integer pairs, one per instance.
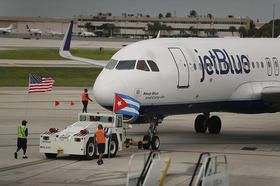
{"points": [[255, 9]]}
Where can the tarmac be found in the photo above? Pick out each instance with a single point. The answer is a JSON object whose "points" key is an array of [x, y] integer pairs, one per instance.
{"points": [[250, 142], [82, 43], [258, 165]]}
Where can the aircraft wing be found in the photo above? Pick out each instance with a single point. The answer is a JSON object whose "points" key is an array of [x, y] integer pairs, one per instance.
{"points": [[64, 50], [271, 95]]}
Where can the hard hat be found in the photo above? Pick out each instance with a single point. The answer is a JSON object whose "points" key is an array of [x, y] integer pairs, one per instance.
{"points": [[24, 122]]}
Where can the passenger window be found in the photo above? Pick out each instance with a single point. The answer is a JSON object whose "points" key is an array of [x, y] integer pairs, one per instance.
{"points": [[111, 65], [194, 66], [258, 65], [153, 66], [141, 65], [262, 64], [253, 64], [126, 65], [276, 66]]}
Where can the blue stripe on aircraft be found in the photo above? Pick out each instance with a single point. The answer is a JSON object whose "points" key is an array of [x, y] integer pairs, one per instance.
{"points": [[68, 39]]}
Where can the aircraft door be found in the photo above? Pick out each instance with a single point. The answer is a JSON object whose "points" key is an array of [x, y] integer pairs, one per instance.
{"points": [[182, 67]]}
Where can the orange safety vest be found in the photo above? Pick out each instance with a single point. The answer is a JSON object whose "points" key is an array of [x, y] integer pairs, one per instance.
{"points": [[100, 136], [84, 96]]}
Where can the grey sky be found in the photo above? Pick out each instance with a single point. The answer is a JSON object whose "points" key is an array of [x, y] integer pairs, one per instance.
{"points": [[254, 9]]}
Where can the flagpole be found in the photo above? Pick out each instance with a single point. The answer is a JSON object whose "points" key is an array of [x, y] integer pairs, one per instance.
{"points": [[114, 103], [27, 103]]}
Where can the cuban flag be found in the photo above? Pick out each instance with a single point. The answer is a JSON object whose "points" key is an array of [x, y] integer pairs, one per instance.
{"points": [[126, 105]]}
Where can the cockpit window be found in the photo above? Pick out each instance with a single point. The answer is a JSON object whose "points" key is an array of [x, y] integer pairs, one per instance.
{"points": [[126, 65], [141, 65], [111, 65], [153, 66]]}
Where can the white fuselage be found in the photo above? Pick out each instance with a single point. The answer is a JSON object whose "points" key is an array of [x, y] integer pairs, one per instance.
{"points": [[7, 29], [87, 34], [54, 33], [195, 75]]}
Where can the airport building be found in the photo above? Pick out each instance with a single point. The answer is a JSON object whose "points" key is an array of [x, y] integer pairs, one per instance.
{"points": [[132, 26], [137, 26]]}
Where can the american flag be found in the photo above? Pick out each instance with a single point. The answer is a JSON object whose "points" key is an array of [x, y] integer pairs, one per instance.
{"points": [[40, 84]]}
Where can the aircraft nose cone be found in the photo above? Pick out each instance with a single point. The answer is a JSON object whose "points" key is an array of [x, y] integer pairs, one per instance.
{"points": [[104, 89]]}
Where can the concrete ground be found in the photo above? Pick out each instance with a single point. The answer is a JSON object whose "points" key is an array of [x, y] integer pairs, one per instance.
{"points": [[8, 43], [178, 140]]}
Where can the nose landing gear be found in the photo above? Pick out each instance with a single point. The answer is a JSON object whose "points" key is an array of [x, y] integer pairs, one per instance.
{"points": [[151, 139], [204, 122]]}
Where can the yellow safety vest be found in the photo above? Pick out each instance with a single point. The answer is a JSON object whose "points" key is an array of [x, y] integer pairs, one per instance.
{"points": [[21, 132]]}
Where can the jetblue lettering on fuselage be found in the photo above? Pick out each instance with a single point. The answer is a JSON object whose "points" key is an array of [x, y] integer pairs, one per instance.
{"points": [[219, 61]]}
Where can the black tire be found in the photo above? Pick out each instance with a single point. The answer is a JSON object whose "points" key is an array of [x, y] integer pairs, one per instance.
{"points": [[140, 145], [90, 150], [155, 143], [200, 124], [113, 147], [147, 138], [51, 155], [214, 125]]}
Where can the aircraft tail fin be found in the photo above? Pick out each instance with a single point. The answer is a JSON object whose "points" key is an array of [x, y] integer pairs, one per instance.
{"points": [[64, 50], [11, 27], [28, 28]]}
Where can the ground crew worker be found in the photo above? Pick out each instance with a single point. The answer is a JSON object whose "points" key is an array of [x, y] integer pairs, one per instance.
{"points": [[85, 99], [99, 138], [22, 139]]}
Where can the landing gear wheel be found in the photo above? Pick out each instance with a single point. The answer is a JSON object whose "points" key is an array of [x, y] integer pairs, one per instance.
{"points": [[200, 124], [113, 147], [90, 150], [155, 143], [140, 145], [147, 145], [50, 155], [214, 125]]}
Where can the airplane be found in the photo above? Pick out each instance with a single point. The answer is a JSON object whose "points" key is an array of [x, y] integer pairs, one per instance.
{"points": [[7, 30], [172, 76], [87, 34], [34, 31], [54, 33]]}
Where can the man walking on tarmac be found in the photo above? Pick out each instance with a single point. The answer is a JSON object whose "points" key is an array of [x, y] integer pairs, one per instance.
{"points": [[99, 138], [85, 99], [22, 139]]}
